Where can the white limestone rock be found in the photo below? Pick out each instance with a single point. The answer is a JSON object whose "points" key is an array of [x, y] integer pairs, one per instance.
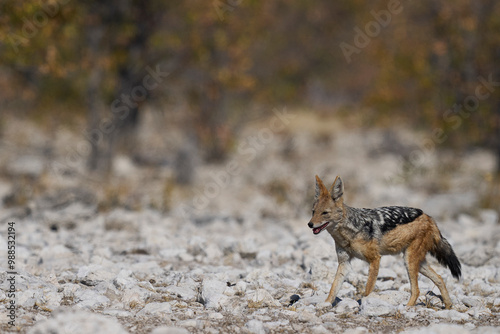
{"points": [[155, 309], [80, 322], [255, 326], [262, 298], [375, 307], [347, 306], [213, 293]]}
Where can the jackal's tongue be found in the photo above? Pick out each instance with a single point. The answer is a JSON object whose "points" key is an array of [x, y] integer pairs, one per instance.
{"points": [[321, 228]]}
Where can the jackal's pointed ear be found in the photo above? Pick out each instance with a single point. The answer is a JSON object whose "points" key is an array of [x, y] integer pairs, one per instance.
{"points": [[337, 189], [320, 188]]}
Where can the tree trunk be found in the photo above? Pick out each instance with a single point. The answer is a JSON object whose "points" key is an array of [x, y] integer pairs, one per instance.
{"points": [[123, 136], [496, 137], [93, 97]]}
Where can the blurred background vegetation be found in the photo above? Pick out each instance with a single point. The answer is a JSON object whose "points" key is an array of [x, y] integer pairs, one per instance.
{"points": [[65, 61]]}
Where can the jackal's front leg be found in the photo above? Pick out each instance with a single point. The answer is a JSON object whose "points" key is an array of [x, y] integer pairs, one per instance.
{"points": [[372, 275], [342, 271]]}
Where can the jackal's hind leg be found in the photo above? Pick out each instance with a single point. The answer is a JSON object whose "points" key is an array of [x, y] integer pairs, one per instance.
{"points": [[426, 270], [412, 263]]}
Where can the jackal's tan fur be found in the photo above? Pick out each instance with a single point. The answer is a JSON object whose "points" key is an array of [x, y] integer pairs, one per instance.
{"points": [[368, 234]]}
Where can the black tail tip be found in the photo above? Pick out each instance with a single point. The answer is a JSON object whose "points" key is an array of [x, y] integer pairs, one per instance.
{"points": [[455, 267], [445, 255], [453, 264]]}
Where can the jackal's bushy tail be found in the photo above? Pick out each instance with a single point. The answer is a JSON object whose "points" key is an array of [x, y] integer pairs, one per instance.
{"points": [[443, 252]]}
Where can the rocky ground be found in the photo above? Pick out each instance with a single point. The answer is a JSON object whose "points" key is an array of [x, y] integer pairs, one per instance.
{"points": [[233, 253]]}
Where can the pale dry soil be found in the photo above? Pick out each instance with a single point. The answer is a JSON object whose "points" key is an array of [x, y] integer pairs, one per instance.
{"points": [[137, 253]]}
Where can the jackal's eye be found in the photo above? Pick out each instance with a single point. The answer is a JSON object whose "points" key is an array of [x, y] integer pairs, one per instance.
{"points": [[313, 212], [325, 213]]}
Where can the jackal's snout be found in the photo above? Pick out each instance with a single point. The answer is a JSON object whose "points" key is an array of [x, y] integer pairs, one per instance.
{"points": [[317, 229]]}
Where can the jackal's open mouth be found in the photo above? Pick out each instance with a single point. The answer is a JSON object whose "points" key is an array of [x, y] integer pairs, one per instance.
{"points": [[321, 228]]}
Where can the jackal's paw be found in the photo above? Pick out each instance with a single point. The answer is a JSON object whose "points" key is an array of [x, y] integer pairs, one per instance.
{"points": [[433, 300], [336, 301]]}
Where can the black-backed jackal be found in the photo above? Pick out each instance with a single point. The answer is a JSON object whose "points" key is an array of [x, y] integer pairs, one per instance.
{"points": [[367, 234]]}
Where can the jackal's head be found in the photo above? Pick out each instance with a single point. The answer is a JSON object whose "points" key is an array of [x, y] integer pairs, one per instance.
{"points": [[328, 207]]}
